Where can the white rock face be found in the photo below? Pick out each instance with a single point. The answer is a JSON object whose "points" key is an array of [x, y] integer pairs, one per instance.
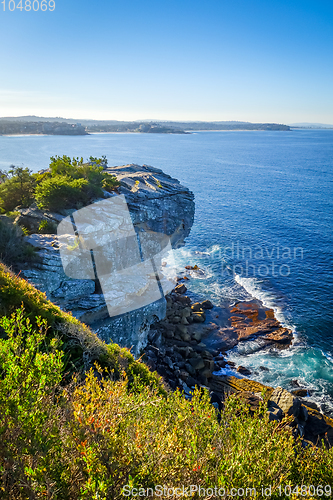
{"points": [[152, 214]]}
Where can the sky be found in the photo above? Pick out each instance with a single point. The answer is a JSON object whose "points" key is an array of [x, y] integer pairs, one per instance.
{"points": [[247, 60]]}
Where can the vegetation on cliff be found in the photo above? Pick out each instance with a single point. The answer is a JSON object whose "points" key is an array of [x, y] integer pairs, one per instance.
{"points": [[68, 183], [82, 419]]}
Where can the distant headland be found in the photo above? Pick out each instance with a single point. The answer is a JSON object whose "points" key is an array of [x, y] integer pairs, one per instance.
{"points": [[66, 126]]}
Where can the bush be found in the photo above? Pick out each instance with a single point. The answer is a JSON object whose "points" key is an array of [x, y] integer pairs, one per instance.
{"points": [[69, 183], [16, 189], [13, 248], [100, 438], [72, 183], [28, 421], [59, 192], [47, 227]]}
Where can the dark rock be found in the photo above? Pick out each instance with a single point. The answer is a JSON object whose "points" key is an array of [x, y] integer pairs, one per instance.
{"points": [[301, 393], [196, 336], [191, 382], [180, 288], [184, 299], [243, 370], [263, 368], [168, 361], [215, 398], [177, 356], [190, 369], [316, 425], [169, 334], [251, 400], [183, 375], [221, 363], [162, 371], [198, 317], [312, 405], [206, 372], [197, 363], [196, 307], [176, 319], [207, 304], [275, 412], [181, 329]]}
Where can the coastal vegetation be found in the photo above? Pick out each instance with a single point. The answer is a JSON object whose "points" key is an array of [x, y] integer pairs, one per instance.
{"points": [[83, 419], [68, 183]]}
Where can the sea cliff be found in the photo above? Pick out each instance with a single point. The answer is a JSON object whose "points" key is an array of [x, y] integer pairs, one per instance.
{"points": [[157, 203]]}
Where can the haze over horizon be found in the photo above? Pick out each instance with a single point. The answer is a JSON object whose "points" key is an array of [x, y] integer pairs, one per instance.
{"points": [[182, 61]]}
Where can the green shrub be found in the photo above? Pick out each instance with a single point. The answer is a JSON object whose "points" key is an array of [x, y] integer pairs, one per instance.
{"points": [[59, 192], [17, 189], [13, 248], [72, 183], [29, 429], [47, 227]]}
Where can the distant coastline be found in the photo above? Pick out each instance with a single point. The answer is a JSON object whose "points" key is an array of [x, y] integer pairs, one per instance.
{"points": [[34, 125]]}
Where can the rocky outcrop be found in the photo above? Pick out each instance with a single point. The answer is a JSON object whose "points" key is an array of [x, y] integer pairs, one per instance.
{"points": [[157, 203]]}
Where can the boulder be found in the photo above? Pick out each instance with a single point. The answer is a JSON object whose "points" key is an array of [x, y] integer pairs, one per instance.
{"points": [[199, 317], [196, 336], [289, 404], [197, 363], [181, 329], [301, 393], [207, 304], [180, 288], [243, 370], [316, 424], [280, 336], [274, 411]]}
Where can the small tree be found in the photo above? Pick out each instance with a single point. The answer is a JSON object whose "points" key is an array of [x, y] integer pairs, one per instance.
{"points": [[16, 188]]}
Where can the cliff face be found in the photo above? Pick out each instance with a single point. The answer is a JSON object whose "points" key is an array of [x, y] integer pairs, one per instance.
{"points": [[157, 203]]}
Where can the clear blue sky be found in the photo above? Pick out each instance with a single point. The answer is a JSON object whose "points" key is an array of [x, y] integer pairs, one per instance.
{"points": [[253, 60]]}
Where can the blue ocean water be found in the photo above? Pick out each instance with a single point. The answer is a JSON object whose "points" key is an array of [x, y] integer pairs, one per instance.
{"points": [[263, 228]]}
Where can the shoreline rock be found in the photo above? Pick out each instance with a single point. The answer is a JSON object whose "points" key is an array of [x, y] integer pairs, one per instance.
{"points": [[185, 356]]}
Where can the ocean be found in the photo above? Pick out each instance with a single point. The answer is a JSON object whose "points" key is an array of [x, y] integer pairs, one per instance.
{"points": [[263, 228]]}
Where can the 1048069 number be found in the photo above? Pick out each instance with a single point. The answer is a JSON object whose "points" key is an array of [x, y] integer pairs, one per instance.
{"points": [[28, 5]]}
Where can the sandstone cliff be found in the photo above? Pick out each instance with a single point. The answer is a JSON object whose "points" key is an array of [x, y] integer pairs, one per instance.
{"points": [[157, 203]]}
